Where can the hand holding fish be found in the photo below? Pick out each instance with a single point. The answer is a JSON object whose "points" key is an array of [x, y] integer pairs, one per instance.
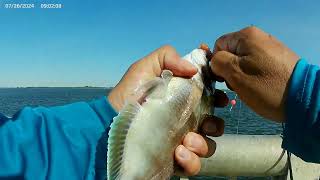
{"points": [[257, 67], [193, 145]]}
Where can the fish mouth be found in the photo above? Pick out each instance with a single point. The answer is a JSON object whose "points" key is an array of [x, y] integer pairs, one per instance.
{"points": [[208, 81]]}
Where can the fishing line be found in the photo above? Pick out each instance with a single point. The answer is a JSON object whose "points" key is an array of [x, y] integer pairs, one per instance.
{"points": [[233, 103], [239, 111]]}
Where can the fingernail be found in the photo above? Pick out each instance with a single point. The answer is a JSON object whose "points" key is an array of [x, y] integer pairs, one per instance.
{"points": [[183, 153]]}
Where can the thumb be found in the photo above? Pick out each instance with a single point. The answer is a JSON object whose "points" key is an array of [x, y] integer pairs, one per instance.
{"points": [[169, 59], [226, 65]]}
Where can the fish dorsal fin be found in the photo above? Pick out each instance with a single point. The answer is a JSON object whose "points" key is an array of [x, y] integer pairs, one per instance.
{"points": [[116, 140]]}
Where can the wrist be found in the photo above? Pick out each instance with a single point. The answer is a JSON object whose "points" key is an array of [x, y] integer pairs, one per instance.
{"points": [[115, 100]]}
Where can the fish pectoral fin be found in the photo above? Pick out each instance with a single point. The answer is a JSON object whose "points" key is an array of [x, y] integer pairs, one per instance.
{"points": [[155, 88], [116, 140]]}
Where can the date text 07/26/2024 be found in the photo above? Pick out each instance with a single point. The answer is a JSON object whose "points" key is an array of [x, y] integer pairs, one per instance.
{"points": [[32, 6]]}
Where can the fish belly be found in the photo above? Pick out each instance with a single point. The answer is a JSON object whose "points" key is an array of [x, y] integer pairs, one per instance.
{"points": [[156, 132]]}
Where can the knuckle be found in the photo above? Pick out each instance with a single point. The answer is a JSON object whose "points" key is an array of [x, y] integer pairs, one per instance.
{"points": [[219, 56], [235, 71], [216, 60], [167, 48], [251, 31], [221, 38], [134, 65], [242, 45], [222, 61], [233, 63], [241, 41], [218, 45]]}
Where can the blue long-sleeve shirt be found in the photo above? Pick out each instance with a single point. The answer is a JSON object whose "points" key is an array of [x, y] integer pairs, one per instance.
{"points": [[70, 142], [66, 142], [302, 128]]}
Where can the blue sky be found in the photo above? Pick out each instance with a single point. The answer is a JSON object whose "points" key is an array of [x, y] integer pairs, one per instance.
{"points": [[94, 42]]}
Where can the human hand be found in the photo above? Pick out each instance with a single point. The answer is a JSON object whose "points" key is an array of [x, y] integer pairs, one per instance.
{"points": [[257, 67], [193, 145]]}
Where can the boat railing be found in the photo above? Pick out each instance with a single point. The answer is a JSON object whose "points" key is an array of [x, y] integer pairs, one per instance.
{"points": [[255, 156]]}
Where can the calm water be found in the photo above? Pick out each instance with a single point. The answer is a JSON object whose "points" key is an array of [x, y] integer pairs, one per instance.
{"points": [[241, 118], [13, 99]]}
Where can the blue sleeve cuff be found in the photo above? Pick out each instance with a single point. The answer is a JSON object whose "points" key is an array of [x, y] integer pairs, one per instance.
{"points": [[106, 113], [302, 128], [104, 110]]}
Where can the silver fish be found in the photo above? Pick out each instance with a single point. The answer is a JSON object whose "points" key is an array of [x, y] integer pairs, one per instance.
{"points": [[143, 137]]}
